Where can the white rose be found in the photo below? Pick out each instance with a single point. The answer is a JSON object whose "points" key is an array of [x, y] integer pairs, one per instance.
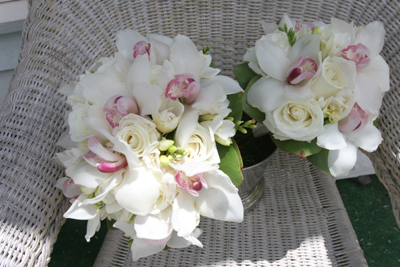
{"points": [[168, 116], [279, 38], [200, 147], [298, 120], [337, 74], [139, 133], [79, 130]]}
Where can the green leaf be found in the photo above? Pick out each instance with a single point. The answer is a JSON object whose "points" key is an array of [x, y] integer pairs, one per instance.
{"points": [[253, 112], [231, 162], [235, 104], [110, 224], [212, 65], [244, 74], [320, 160], [300, 148]]}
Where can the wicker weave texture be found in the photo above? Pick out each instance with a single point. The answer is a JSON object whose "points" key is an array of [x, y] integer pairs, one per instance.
{"points": [[62, 38], [298, 222]]}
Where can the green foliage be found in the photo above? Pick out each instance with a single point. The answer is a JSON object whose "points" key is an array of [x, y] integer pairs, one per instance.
{"points": [[320, 160], [291, 34], [300, 148], [235, 104], [244, 74], [231, 162]]}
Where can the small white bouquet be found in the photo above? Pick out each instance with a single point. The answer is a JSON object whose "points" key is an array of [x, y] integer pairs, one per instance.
{"points": [[318, 88], [149, 143]]}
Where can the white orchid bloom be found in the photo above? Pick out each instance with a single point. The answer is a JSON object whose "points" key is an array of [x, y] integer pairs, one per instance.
{"points": [[272, 91], [343, 138], [131, 44]]}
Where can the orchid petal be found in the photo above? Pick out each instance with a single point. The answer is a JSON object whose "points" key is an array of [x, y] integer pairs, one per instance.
{"points": [[151, 227], [286, 20], [140, 72], [340, 26], [229, 85], [266, 94], [127, 105], [209, 96], [138, 191], [127, 228], [123, 64], [159, 50], [341, 161], [184, 216], [110, 167], [113, 207], [250, 56], [367, 94], [147, 97], [86, 175], [70, 189], [166, 75], [373, 37], [185, 57], [272, 59], [121, 146], [85, 212], [96, 147], [221, 200], [187, 126], [141, 248], [93, 225], [193, 168], [268, 27], [179, 242], [126, 40], [331, 138], [101, 126], [306, 46], [368, 138]]}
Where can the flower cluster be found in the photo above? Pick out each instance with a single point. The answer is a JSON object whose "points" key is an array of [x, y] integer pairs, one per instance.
{"points": [[142, 143], [320, 86]]}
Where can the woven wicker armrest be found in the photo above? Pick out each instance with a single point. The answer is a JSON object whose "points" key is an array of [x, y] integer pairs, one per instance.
{"points": [[62, 38]]}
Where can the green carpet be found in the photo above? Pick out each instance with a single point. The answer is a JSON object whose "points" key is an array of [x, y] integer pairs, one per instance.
{"points": [[368, 207]]}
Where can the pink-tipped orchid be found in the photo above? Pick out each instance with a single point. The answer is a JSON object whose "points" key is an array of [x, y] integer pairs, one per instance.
{"points": [[183, 85], [356, 120], [71, 190], [359, 54], [141, 48], [300, 25], [103, 159], [191, 184], [117, 107], [304, 68]]}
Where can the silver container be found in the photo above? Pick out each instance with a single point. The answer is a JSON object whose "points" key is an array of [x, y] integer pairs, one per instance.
{"points": [[252, 188]]}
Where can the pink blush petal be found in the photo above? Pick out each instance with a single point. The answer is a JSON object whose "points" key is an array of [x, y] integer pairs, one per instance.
{"points": [[178, 87], [359, 54], [111, 112], [70, 189], [141, 48], [109, 167], [127, 105], [193, 90], [304, 68], [184, 183]]}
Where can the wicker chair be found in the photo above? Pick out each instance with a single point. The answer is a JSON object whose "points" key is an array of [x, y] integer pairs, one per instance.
{"points": [[300, 220]]}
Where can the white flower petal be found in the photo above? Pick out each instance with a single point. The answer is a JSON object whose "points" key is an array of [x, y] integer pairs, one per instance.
{"points": [[229, 85], [126, 40], [266, 94], [127, 228], [184, 216], [151, 227], [368, 138], [268, 27], [138, 191], [140, 72], [331, 138], [286, 20], [141, 248], [123, 63], [180, 242], [86, 175], [193, 168], [83, 212], [272, 59], [159, 50], [185, 57], [221, 200], [373, 37], [148, 97], [93, 225], [341, 161], [187, 126], [306, 46], [166, 75], [340, 26], [209, 96]]}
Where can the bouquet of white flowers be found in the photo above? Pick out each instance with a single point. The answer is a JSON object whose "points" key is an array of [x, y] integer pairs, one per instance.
{"points": [[317, 88], [149, 143]]}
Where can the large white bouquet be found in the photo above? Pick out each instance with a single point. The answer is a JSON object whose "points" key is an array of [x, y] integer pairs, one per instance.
{"points": [[318, 88], [142, 143]]}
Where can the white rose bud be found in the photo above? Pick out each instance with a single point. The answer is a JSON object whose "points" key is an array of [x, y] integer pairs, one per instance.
{"points": [[169, 117]]}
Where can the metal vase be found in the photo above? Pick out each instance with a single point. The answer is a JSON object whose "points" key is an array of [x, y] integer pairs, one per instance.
{"points": [[252, 188]]}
